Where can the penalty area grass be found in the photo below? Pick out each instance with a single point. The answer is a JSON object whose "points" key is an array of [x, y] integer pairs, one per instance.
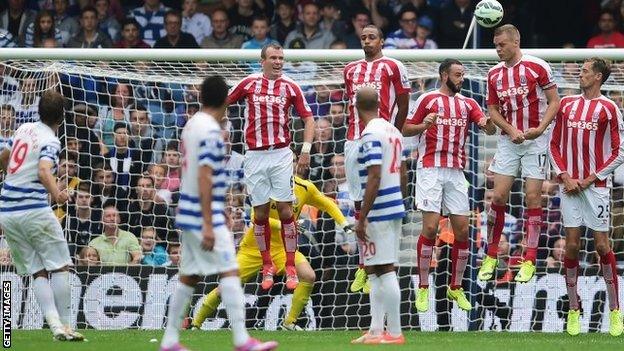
{"points": [[138, 340]]}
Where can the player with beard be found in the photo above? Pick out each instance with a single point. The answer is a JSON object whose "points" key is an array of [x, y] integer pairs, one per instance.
{"points": [[441, 120], [389, 78]]}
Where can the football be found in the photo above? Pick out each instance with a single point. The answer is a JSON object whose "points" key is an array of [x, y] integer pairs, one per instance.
{"points": [[488, 13]]}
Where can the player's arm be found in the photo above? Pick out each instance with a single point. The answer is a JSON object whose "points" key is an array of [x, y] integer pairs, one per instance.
{"points": [[48, 159], [616, 127], [402, 87], [552, 98], [304, 111], [317, 199], [4, 159], [404, 179], [237, 92], [420, 119], [477, 116], [370, 194], [570, 186]]}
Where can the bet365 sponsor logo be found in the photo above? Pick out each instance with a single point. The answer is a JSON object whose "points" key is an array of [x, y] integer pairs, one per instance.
{"points": [[513, 91], [374, 85], [272, 99], [587, 125]]}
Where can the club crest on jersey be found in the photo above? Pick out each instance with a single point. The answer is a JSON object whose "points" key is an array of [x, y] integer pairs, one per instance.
{"points": [[499, 84], [258, 88], [523, 80], [441, 110], [596, 115]]}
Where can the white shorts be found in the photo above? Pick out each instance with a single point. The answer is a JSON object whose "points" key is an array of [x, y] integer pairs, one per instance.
{"points": [[443, 189], [529, 159], [196, 261], [352, 170], [382, 246], [269, 175], [590, 208], [36, 241]]}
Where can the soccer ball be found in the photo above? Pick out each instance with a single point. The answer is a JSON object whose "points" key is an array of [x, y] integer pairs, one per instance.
{"points": [[488, 13]]}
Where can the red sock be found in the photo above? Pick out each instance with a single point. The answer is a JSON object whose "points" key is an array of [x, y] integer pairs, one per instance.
{"points": [[289, 236], [424, 250], [262, 233], [459, 260], [534, 229], [609, 273], [360, 246], [496, 223], [571, 276]]}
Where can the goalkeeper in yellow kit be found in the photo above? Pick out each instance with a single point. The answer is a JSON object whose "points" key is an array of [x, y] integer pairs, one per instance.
{"points": [[250, 261]]}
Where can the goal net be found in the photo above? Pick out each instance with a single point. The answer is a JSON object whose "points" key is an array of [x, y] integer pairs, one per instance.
{"points": [[124, 116]]}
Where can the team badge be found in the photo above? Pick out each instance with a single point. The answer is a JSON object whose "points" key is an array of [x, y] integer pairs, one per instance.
{"points": [[523, 80], [499, 84]]}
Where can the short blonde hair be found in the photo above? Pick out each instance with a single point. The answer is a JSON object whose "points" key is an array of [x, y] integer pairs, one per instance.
{"points": [[510, 29]]}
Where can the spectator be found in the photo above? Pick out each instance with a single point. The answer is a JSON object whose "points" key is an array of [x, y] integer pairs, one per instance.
{"points": [[172, 161], [143, 137], [233, 161], [423, 31], [453, 25], [42, 28], [555, 259], [259, 29], [16, 19], [323, 148], [158, 173], [26, 101], [8, 84], [175, 38], [330, 19], [146, 212], [318, 100], [174, 254], [107, 191], [337, 117], [7, 124], [195, 23], [309, 33], [130, 31], [66, 24], [107, 22], [241, 16], [89, 35], [115, 247], [284, 21], [378, 9], [67, 180], [121, 97], [83, 222], [88, 257], [6, 39], [82, 127], [153, 255], [405, 37], [336, 187], [609, 36], [359, 20], [123, 157], [50, 43], [151, 17], [221, 38]]}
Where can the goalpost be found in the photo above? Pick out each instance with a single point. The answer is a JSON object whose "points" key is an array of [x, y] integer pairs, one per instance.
{"points": [[105, 87]]}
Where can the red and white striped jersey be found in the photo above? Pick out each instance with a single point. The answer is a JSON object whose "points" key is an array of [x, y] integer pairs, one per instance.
{"points": [[519, 91], [588, 138], [267, 105], [387, 75], [443, 145]]}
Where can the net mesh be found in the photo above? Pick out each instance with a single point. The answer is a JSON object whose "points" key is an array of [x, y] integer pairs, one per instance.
{"points": [[142, 106]]}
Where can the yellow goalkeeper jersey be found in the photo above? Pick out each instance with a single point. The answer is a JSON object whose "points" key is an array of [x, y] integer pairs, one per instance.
{"points": [[305, 194]]}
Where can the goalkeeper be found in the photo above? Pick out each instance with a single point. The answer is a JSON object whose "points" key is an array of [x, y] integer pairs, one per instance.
{"points": [[250, 260]]}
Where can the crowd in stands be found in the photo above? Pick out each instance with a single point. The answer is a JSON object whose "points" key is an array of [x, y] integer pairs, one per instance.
{"points": [[297, 24]]}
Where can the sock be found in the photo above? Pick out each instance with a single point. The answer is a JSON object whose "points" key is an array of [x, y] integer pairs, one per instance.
{"points": [[177, 311], [262, 233], [609, 273], [300, 298], [289, 235], [234, 301], [208, 307], [59, 283], [496, 223], [534, 229], [424, 250], [392, 302], [459, 259], [571, 276], [356, 215], [376, 305], [45, 298]]}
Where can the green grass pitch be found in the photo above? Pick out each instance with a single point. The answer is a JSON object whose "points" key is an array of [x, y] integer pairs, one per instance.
{"points": [[138, 340]]}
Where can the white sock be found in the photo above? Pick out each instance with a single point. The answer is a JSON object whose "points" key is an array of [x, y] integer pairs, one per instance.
{"points": [[392, 302], [177, 311], [45, 298], [234, 301], [62, 295], [377, 309]]}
